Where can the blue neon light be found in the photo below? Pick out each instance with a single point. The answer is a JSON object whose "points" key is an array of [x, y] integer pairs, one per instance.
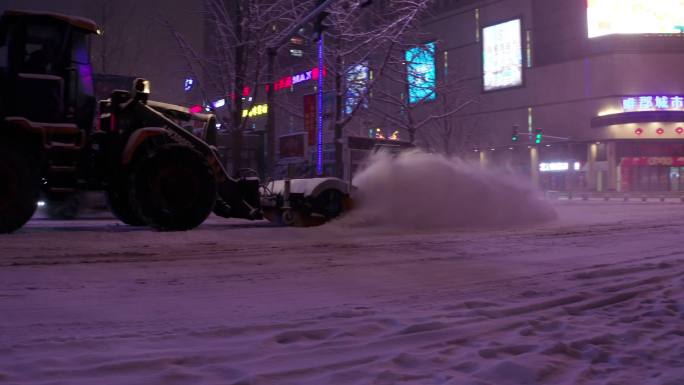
{"points": [[421, 73], [651, 103], [188, 84], [319, 111]]}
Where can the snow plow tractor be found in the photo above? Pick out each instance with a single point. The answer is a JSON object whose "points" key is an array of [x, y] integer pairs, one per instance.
{"points": [[154, 172]]}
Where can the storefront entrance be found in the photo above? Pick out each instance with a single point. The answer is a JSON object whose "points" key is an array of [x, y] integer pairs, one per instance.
{"points": [[652, 174]]}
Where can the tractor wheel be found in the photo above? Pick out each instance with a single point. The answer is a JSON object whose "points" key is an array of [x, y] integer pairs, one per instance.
{"points": [[120, 204], [66, 208], [19, 189], [173, 188]]}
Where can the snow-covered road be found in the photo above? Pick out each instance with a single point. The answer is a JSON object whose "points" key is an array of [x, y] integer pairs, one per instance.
{"points": [[595, 297]]}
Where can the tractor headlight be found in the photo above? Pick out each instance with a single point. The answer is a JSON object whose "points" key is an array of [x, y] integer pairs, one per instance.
{"points": [[141, 85], [141, 90]]}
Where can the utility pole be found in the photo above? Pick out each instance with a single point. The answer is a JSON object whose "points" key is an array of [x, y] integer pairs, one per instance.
{"points": [[237, 91], [339, 105], [272, 51], [319, 33], [317, 16], [271, 116]]}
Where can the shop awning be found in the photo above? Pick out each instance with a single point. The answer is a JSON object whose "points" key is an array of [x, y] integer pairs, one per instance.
{"points": [[638, 117]]}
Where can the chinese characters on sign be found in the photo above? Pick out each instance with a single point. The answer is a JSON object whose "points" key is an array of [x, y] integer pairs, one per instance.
{"points": [[652, 103], [188, 84], [257, 110], [502, 55], [673, 161], [558, 166]]}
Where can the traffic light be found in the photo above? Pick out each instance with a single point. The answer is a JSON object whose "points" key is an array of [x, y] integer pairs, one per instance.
{"points": [[537, 136], [514, 134]]}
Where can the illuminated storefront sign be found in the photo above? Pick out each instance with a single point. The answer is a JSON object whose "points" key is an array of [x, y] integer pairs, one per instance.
{"points": [[289, 81], [378, 133], [652, 103], [502, 55], [188, 84], [421, 73], [670, 161], [219, 103], [257, 110], [607, 17], [558, 166]]}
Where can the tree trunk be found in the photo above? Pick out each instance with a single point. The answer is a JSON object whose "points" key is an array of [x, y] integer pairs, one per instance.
{"points": [[237, 91], [339, 148], [271, 117]]}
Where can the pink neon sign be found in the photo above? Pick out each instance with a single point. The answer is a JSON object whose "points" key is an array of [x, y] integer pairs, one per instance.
{"points": [[289, 81]]}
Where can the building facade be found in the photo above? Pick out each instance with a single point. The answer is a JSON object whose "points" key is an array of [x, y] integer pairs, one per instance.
{"points": [[598, 84], [577, 95]]}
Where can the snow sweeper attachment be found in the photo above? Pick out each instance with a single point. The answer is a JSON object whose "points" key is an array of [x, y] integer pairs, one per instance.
{"points": [[172, 179], [305, 202]]}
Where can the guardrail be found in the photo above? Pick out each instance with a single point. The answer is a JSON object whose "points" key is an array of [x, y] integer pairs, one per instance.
{"points": [[664, 196]]}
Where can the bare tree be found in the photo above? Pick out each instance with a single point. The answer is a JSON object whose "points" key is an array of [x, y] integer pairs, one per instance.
{"points": [[357, 43], [445, 129], [116, 45], [364, 37], [231, 71], [241, 30], [414, 99]]}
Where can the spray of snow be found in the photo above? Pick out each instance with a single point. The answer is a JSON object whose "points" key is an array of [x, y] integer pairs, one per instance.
{"points": [[420, 190]]}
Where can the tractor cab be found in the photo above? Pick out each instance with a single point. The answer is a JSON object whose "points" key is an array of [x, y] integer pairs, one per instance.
{"points": [[45, 70]]}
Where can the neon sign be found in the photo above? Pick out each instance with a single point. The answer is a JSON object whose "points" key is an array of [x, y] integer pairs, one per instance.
{"points": [[219, 103], [558, 166], [257, 110], [652, 103], [289, 81], [189, 83]]}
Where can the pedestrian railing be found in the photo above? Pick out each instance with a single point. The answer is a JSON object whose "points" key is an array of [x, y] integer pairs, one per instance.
{"points": [[647, 196]]}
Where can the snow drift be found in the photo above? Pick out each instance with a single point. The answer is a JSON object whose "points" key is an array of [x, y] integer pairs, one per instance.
{"points": [[421, 190]]}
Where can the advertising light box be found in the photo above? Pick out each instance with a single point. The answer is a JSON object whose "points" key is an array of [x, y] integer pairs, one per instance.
{"points": [[502, 55], [608, 17], [357, 78], [421, 73]]}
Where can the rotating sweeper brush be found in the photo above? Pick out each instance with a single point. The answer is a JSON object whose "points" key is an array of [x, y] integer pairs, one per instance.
{"points": [[305, 202]]}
